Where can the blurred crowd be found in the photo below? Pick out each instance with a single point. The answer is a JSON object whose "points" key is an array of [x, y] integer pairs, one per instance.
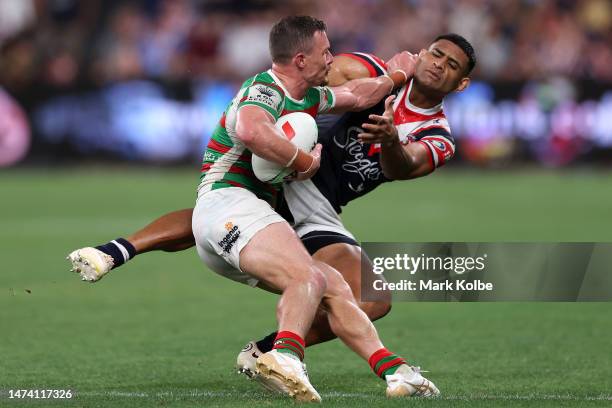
{"points": [[62, 43]]}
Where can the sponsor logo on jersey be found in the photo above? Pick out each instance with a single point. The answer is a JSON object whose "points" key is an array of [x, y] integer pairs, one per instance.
{"points": [[230, 238], [209, 156], [265, 90], [357, 160], [439, 145], [357, 189], [265, 95]]}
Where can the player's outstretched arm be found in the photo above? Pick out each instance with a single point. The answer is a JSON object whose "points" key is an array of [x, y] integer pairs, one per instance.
{"points": [[398, 161], [363, 93]]}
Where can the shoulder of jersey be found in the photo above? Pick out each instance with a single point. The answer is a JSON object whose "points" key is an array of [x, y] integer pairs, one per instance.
{"points": [[376, 66], [264, 79]]}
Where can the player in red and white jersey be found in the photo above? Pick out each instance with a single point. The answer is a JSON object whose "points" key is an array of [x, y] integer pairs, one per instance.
{"points": [[429, 126], [417, 113], [398, 139]]}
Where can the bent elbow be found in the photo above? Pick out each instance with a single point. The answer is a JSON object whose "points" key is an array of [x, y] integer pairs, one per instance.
{"points": [[245, 135], [406, 171]]}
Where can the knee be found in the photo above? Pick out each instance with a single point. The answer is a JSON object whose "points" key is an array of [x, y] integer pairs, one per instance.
{"points": [[336, 285], [318, 281], [310, 275]]}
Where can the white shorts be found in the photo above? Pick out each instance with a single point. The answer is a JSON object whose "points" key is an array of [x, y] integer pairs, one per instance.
{"points": [[224, 221], [311, 211]]}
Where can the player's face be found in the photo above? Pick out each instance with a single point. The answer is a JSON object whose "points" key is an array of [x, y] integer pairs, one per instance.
{"points": [[317, 62], [442, 68]]}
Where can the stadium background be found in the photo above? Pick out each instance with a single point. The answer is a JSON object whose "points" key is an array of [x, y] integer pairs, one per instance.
{"points": [[105, 107]]}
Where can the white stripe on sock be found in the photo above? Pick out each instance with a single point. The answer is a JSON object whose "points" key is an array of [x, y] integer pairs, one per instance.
{"points": [[124, 252]]}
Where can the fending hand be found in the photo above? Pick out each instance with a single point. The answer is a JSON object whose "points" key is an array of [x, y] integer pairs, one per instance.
{"points": [[381, 129]]}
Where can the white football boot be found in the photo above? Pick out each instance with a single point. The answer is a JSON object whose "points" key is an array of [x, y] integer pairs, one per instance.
{"points": [[407, 381], [286, 374], [91, 263], [246, 363]]}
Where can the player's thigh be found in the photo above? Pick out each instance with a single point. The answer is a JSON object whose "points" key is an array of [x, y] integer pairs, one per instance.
{"points": [[224, 222], [276, 257]]}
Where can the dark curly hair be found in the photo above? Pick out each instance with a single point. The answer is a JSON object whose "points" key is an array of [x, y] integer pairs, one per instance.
{"points": [[465, 46]]}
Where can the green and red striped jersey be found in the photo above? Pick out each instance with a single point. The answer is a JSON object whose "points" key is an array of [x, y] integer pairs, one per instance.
{"points": [[226, 161]]}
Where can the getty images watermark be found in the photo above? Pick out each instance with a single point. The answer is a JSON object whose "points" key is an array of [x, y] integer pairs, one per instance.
{"points": [[487, 271], [413, 264]]}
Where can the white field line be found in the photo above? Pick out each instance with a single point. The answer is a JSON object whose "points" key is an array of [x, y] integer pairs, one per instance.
{"points": [[259, 394]]}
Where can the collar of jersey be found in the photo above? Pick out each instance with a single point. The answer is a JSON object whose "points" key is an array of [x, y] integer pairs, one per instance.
{"points": [[429, 111], [279, 82]]}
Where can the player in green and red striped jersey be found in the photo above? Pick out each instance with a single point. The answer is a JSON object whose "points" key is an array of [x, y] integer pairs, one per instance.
{"points": [[227, 161], [240, 236]]}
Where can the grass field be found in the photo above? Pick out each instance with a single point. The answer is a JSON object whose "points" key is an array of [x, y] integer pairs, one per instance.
{"points": [[163, 331]]}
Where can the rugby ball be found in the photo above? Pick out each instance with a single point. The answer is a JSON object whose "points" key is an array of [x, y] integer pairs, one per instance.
{"points": [[301, 129]]}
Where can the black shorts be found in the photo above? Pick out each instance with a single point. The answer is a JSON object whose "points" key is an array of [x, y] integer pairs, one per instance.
{"points": [[315, 240]]}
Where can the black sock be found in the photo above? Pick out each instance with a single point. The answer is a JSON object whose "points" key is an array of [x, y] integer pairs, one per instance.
{"points": [[267, 342], [120, 249]]}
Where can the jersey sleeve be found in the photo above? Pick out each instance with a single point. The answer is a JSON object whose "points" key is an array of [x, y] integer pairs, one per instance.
{"points": [[375, 66], [327, 99], [267, 96], [439, 143]]}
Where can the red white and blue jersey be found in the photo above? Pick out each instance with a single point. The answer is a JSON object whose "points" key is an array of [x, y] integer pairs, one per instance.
{"points": [[427, 126], [350, 169]]}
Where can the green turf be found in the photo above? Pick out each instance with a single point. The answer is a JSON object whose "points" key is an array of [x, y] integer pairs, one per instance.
{"points": [[163, 331]]}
